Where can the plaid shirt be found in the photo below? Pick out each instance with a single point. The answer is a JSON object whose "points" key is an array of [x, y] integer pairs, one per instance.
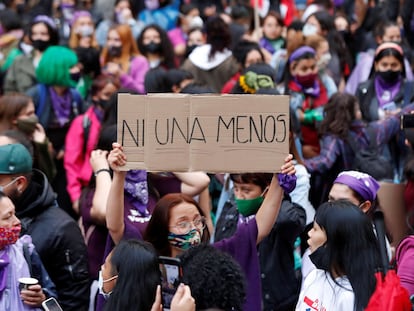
{"points": [[334, 148]]}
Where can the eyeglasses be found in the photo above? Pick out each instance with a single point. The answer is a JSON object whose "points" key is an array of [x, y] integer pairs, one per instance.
{"points": [[186, 226]]}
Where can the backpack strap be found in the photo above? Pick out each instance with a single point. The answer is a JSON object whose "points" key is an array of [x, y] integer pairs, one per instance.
{"points": [[42, 99], [76, 102], [372, 135], [352, 143], [407, 93], [380, 230], [86, 125], [26, 255]]}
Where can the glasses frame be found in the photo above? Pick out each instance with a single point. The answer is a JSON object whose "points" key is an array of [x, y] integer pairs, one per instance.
{"points": [[190, 224]]}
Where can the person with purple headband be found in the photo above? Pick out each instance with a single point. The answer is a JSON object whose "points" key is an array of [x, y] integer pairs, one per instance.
{"points": [[358, 188], [308, 94], [82, 31]]}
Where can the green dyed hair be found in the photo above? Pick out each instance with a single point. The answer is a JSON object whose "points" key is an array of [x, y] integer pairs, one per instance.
{"points": [[54, 66]]}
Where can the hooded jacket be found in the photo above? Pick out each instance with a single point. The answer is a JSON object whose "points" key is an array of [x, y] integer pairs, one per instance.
{"points": [[211, 71], [58, 241]]}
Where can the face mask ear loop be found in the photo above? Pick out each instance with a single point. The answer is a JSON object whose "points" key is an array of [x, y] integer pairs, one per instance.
{"points": [[265, 191]]}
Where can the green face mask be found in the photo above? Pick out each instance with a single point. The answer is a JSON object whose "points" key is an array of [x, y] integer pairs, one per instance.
{"points": [[248, 207], [27, 125]]}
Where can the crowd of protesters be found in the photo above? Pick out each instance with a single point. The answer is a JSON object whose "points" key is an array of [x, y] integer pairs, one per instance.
{"points": [[299, 239]]}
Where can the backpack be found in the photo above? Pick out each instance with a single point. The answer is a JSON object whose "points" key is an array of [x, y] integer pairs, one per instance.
{"points": [[389, 294], [369, 160]]}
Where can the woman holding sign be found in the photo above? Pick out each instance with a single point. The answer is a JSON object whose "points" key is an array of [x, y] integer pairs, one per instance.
{"points": [[178, 222]]}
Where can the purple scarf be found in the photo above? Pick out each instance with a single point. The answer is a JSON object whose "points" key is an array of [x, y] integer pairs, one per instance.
{"points": [[313, 91], [136, 190], [62, 105], [386, 92]]}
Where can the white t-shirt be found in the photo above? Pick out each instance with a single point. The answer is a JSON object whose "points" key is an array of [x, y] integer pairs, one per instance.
{"points": [[321, 293]]}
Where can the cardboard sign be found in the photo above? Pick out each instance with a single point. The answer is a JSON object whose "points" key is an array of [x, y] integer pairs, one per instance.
{"points": [[210, 133]]}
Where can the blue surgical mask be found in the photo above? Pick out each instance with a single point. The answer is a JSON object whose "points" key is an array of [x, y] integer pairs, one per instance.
{"points": [[185, 241], [101, 281]]}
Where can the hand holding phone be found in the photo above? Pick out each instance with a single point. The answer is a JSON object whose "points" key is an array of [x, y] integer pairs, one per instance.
{"points": [[51, 305], [171, 274]]}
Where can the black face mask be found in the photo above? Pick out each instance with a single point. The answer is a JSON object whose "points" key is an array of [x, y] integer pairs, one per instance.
{"points": [[40, 45], [152, 47], [319, 258], [103, 103], [190, 49], [114, 51], [20, 8], [75, 76], [389, 76]]}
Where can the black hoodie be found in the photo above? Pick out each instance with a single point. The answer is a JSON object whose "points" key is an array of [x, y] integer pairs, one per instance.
{"points": [[57, 239]]}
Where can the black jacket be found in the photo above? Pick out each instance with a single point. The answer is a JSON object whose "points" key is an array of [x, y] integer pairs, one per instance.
{"points": [[58, 240], [368, 101], [280, 283]]}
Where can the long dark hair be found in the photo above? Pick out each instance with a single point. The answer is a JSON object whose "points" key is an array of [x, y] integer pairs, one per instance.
{"points": [[336, 42], [351, 248], [339, 113], [136, 264], [158, 227], [218, 35]]}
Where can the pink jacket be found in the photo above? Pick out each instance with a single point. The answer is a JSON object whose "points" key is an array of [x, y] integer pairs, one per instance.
{"points": [[404, 257], [77, 166], [135, 78]]}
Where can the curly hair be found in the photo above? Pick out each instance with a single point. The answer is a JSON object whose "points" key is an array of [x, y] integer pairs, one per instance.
{"points": [[167, 50], [218, 35], [339, 113], [215, 279]]}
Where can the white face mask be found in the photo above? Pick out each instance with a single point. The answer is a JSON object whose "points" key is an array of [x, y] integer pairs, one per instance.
{"points": [[309, 30], [85, 30], [26, 48], [101, 282]]}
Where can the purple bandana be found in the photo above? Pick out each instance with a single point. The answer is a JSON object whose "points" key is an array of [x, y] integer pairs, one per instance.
{"points": [[300, 52], [363, 184], [136, 190], [385, 92], [62, 105], [78, 14], [287, 182]]}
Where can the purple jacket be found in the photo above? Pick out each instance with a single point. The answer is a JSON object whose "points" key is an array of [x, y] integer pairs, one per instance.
{"points": [[405, 263], [242, 247], [134, 79]]}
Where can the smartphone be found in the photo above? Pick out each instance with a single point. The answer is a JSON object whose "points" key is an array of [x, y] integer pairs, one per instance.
{"points": [[171, 274], [51, 304], [407, 121]]}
